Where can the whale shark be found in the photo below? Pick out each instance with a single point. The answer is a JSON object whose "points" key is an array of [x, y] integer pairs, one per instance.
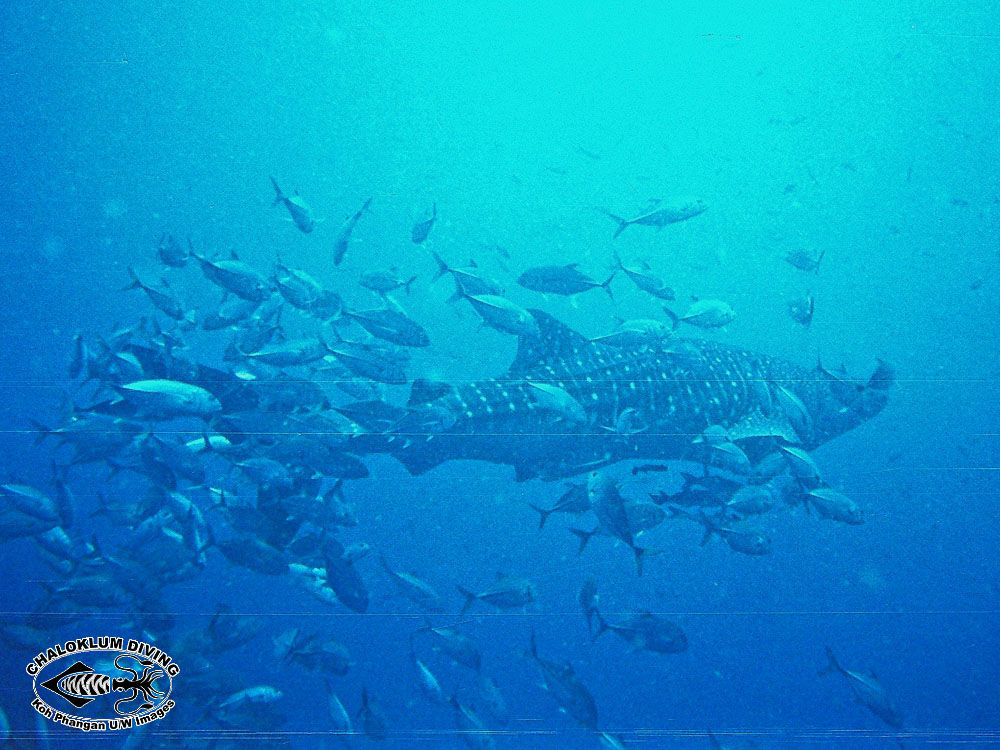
{"points": [[673, 387]]}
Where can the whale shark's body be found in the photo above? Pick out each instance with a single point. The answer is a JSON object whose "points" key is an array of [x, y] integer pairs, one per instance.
{"points": [[559, 409], [673, 387]]}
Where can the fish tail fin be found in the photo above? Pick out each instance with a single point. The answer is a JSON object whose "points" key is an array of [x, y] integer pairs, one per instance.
{"points": [[279, 196], [532, 648], [674, 320], [135, 283], [602, 626], [584, 537], [384, 564], [41, 431], [116, 468], [710, 527], [221, 502], [673, 511], [48, 587], [832, 665], [206, 443], [407, 284], [232, 353], [210, 537], [434, 210], [622, 223], [640, 557], [883, 377], [102, 507], [442, 267], [97, 552], [606, 286], [819, 260], [469, 598], [542, 513]]}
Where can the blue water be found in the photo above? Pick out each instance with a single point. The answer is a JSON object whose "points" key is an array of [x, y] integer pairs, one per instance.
{"points": [[867, 130]]}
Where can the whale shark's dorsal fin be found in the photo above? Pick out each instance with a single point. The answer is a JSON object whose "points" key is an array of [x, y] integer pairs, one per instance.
{"points": [[555, 341]]}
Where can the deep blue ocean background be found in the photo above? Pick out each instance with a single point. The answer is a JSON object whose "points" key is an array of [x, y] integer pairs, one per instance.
{"points": [[868, 130]]}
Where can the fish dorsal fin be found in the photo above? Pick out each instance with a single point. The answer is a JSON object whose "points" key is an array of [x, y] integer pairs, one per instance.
{"points": [[556, 340]]}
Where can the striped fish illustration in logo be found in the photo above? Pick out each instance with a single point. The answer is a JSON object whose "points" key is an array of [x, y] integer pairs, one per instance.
{"points": [[79, 684]]}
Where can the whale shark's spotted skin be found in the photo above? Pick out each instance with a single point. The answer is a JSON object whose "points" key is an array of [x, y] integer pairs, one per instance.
{"points": [[677, 387]]}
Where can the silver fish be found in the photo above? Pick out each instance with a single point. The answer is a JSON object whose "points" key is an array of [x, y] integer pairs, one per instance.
{"points": [[659, 215], [344, 237], [423, 228], [299, 211]]}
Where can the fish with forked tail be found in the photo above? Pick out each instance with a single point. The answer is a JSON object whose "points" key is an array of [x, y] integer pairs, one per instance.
{"points": [[346, 230], [298, 210], [658, 214], [867, 690], [422, 229]]}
